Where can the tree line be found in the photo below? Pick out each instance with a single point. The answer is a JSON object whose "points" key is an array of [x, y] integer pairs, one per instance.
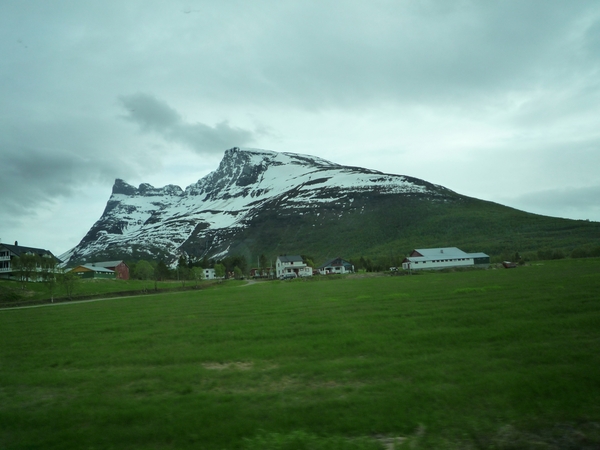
{"points": [[45, 269]]}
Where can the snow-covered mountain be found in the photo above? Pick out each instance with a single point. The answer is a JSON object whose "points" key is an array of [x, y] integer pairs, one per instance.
{"points": [[235, 207]]}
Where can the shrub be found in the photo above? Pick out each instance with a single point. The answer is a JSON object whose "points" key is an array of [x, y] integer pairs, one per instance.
{"points": [[8, 295], [579, 253], [300, 440]]}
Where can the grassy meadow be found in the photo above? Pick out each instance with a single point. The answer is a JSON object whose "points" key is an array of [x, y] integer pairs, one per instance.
{"points": [[500, 359]]}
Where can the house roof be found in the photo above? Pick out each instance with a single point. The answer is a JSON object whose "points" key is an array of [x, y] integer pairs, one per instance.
{"points": [[290, 258], [425, 254], [446, 252], [335, 262], [106, 263], [94, 268], [21, 250]]}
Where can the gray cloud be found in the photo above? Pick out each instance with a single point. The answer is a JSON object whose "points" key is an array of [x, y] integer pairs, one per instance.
{"points": [[30, 177], [44, 160], [382, 51], [568, 202], [157, 116]]}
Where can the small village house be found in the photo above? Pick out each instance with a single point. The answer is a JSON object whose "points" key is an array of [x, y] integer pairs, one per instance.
{"points": [[441, 258], [291, 267], [336, 265], [209, 274]]}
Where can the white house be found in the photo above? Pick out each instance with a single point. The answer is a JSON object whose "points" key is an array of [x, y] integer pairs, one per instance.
{"points": [[440, 258], [209, 274], [292, 266], [8, 252], [336, 265]]}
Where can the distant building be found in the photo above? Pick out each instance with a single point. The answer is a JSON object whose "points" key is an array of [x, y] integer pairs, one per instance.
{"points": [[92, 271], [336, 265], [209, 274], [264, 272], [440, 258], [291, 267], [119, 267], [9, 252]]}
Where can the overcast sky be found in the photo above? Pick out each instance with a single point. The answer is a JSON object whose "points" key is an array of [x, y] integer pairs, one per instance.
{"points": [[498, 100]]}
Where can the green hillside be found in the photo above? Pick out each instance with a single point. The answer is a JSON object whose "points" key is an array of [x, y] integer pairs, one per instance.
{"points": [[502, 359], [385, 226]]}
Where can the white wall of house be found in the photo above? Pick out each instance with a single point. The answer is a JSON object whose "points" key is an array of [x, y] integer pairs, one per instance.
{"points": [[422, 263], [4, 261], [332, 269], [440, 258], [209, 274]]}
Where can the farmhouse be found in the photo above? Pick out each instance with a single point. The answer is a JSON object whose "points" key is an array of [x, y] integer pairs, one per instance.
{"points": [[120, 269], [292, 266], [336, 265], [440, 258], [9, 252], [92, 271], [209, 274]]}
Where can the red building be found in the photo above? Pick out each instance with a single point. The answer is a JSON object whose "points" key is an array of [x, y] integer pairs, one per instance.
{"points": [[120, 268]]}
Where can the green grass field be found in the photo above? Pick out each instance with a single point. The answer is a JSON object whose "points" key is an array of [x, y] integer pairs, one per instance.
{"points": [[500, 359]]}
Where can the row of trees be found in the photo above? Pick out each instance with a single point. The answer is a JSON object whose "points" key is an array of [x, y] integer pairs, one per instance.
{"points": [[159, 271], [237, 266], [188, 269], [234, 266], [32, 267]]}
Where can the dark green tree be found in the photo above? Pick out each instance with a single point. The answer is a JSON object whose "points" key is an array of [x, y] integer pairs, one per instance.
{"points": [[197, 274], [231, 261], [48, 269], [161, 272], [68, 281], [183, 270], [263, 262], [143, 270], [237, 273], [25, 266], [219, 271]]}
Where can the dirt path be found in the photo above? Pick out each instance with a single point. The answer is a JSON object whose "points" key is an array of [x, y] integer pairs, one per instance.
{"points": [[86, 301], [248, 283]]}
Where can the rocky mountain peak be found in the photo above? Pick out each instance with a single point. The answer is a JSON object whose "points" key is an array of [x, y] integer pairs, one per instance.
{"points": [[145, 189], [121, 187], [249, 186]]}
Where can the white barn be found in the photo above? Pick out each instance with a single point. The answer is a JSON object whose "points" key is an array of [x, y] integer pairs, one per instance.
{"points": [[441, 258]]}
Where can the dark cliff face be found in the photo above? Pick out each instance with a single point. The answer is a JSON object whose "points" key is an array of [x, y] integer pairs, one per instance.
{"points": [[121, 187], [144, 189]]}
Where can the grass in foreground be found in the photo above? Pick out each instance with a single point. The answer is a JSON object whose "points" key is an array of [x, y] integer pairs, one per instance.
{"points": [[481, 359]]}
